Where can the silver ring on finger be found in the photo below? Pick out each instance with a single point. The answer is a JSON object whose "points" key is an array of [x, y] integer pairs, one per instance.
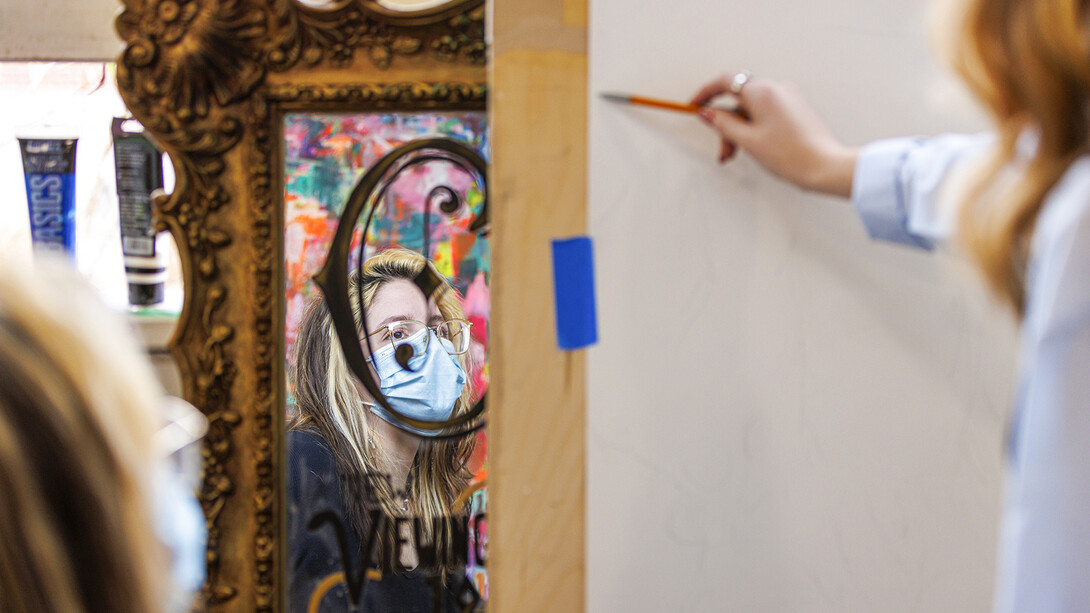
{"points": [[739, 81]]}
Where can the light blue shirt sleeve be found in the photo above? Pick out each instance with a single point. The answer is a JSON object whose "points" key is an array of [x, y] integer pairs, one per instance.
{"points": [[1045, 547], [1044, 550], [897, 183]]}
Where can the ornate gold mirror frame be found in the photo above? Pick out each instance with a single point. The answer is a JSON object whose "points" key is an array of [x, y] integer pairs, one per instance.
{"points": [[211, 80]]}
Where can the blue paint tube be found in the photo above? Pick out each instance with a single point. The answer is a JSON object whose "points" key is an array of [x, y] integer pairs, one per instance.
{"points": [[49, 167], [139, 167]]}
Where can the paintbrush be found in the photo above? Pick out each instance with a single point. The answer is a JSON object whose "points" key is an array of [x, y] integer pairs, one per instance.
{"points": [[729, 104]]}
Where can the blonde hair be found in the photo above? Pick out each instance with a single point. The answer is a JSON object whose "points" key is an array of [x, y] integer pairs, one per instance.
{"points": [[329, 401], [1029, 62], [77, 415]]}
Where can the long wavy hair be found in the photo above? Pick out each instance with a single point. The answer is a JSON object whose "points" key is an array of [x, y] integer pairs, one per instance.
{"points": [[329, 402], [77, 419], [1029, 62]]}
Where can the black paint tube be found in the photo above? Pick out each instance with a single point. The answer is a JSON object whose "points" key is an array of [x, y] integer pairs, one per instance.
{"points": [[139, 165], [49, 168]]}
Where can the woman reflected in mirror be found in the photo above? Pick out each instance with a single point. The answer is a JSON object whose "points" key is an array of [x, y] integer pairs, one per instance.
{"points": [[391, 487]]}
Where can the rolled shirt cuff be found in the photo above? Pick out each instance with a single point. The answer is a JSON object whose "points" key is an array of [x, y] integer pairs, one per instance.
{"points": [[878, 191]]}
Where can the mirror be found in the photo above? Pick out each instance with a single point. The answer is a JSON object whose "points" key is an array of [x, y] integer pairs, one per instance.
{"points": [[406, 6], [386, 487], [411, 5], [224, 88]]}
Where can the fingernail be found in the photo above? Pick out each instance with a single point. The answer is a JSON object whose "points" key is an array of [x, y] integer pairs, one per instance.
{"points": [[706, 115]]}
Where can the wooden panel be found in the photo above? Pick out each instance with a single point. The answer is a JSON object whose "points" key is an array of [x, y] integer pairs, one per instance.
{"points": [[575, 13], [537, 426]]}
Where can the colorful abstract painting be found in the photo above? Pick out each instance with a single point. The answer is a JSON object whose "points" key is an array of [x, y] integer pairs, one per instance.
{"points": [[324, 157]]}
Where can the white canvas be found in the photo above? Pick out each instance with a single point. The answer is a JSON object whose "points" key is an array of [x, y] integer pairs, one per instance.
{"points": [[782, 414]]}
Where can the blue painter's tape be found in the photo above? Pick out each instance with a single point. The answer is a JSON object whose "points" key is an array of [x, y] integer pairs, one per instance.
{"points": [[573, 282]]}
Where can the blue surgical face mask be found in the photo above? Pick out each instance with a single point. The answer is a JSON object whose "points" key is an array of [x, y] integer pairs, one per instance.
{"points": [[427, 390]]}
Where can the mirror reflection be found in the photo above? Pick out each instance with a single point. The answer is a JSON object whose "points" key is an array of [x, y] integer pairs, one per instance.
{"points": [[406, 6], [386, 502], [411, 5]]}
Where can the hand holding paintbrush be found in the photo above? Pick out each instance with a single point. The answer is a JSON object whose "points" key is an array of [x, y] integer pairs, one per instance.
{"points": [[771, 122]]}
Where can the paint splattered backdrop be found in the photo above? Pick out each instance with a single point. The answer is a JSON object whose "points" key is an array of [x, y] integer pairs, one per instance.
{"points": [[324, 157]]}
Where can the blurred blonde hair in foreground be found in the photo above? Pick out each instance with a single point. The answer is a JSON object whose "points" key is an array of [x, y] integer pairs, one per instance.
{"points": [[78, 417]]}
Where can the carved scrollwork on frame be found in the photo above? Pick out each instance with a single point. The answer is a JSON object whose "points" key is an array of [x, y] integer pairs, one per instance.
{"points": [[196, 73], [392, 95]]}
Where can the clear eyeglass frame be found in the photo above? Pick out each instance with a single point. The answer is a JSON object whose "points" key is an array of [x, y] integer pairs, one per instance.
{"points": [[454, 330]]}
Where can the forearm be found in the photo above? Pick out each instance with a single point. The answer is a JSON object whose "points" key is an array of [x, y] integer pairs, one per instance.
{"points": [[832, 173]]}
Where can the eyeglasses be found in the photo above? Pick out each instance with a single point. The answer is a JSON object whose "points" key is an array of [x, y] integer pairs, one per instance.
{"points": [[453, 335]]}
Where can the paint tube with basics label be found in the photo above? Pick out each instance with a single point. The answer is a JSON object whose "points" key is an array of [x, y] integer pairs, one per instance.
{"points": [[49, 170], [139, 166]]}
